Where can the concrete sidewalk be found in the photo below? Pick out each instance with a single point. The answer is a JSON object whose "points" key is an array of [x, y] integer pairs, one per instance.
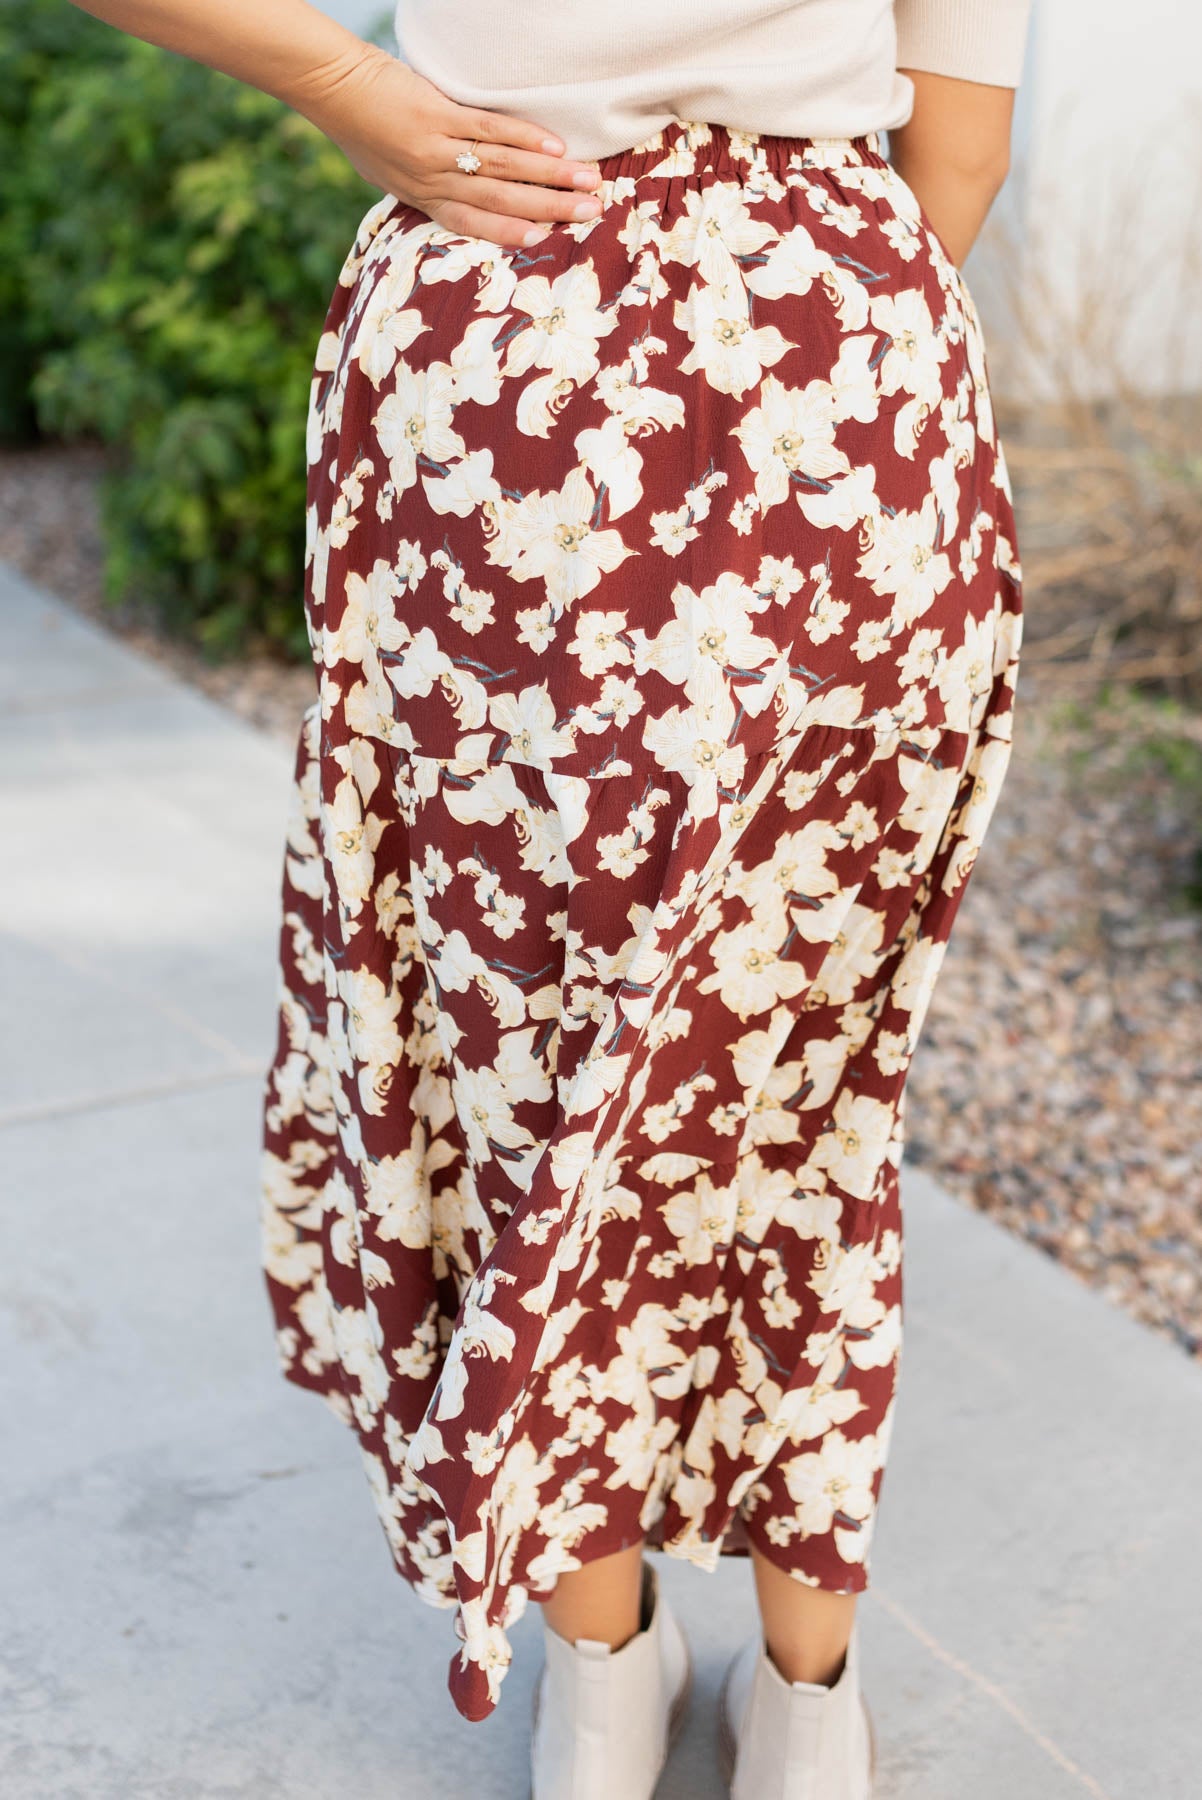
{"points": [[197, 1600]]}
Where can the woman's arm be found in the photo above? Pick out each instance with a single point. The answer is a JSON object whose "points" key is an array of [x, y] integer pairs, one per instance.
{"points": [[965, 58], [400, 132], [954, 153]]}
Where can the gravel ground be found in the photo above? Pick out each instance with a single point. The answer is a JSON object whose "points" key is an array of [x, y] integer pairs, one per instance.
{"points": [[1058, 1084]]}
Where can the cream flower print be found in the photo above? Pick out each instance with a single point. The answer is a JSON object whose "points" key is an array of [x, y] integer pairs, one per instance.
{"points": [[964, 678], [691, 741], [554, 538], [793, 263], [852, 1150], [415, 421], [749, 972], [664, 600], [711, 631], [913, 352], [600, 642], [565, 324], [930, 796], [368, 622], [836, 1479], [715, 228], [528, 724], [672, 531], [388, 326], [701, 1220], [731, 353], [904, 560], [476, 365], [351, 835], [790, 435], [472, 608]]}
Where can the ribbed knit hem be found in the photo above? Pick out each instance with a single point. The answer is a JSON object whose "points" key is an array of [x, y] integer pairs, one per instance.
{"points": [[975, 40]]}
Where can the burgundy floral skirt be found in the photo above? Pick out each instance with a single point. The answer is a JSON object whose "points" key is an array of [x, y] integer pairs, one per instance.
{"points": [[665, 605]]}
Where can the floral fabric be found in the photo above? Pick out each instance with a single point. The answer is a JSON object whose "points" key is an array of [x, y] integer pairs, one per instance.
{"points": [[665, 606]]}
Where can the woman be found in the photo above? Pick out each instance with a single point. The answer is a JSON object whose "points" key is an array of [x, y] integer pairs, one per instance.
{"points": [[664, 599]]}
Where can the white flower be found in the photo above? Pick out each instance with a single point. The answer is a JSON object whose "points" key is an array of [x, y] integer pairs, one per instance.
{"points": [[387, 327], [553, 538], [714, 228], [911, 360], [891, 1052], [371, 1016], [565, 323], [930, 795], [397, 1190], [465, 486], [636, 1446], [826, 618], [702, 1219], [731, 352], [902, 559], [965, 678], [692, 741], [915, 979], [797, 868], [597, 642], [476, 364], [645, 1345], [350, 836], [671, 531], [711, 632], [920, 658], [480, 257], [528, 721], [415, 420], [368, 623], [855, 950], [791, 267], [846, 501], [853, 1150], [749, 974], [614, 463], [779, 578], [836, 1478], [791, 432]]}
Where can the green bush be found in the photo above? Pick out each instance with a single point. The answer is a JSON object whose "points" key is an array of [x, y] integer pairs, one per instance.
{"points": [[169, 242], [37, 41]]}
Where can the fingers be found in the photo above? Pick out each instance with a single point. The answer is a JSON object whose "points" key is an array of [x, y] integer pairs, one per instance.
{"points": [[497, 228], [498, 128], [501, 162], [524, 185], [534, 204], [513, 149]]}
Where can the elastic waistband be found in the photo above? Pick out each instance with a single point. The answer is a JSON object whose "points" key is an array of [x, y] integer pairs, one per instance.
{"points": [[687, 146]]}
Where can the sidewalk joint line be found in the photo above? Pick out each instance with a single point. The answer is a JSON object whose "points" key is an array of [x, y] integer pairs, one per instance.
{"points": [[51, 701], [174, 1015], [150, 1090], [992, 1691]]}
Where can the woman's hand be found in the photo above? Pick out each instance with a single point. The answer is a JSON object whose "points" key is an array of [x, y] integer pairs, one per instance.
{"points": [[398, 130], [402, 134]]}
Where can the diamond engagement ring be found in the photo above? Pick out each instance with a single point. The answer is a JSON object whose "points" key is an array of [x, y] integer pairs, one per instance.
{"points": [[467, 160]]}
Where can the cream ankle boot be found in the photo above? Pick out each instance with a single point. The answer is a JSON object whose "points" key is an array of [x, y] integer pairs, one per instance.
{"points": [[604, 1720], [794, 1741]]}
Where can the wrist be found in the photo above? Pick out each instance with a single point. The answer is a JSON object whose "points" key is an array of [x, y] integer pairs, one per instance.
{"points": [[322, 91]]}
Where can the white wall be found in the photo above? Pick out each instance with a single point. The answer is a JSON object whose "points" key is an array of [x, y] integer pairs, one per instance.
{"points": [[1100, 230]]}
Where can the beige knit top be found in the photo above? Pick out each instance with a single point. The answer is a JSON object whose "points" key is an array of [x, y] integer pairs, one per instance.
{"points": [[605, 74]]}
